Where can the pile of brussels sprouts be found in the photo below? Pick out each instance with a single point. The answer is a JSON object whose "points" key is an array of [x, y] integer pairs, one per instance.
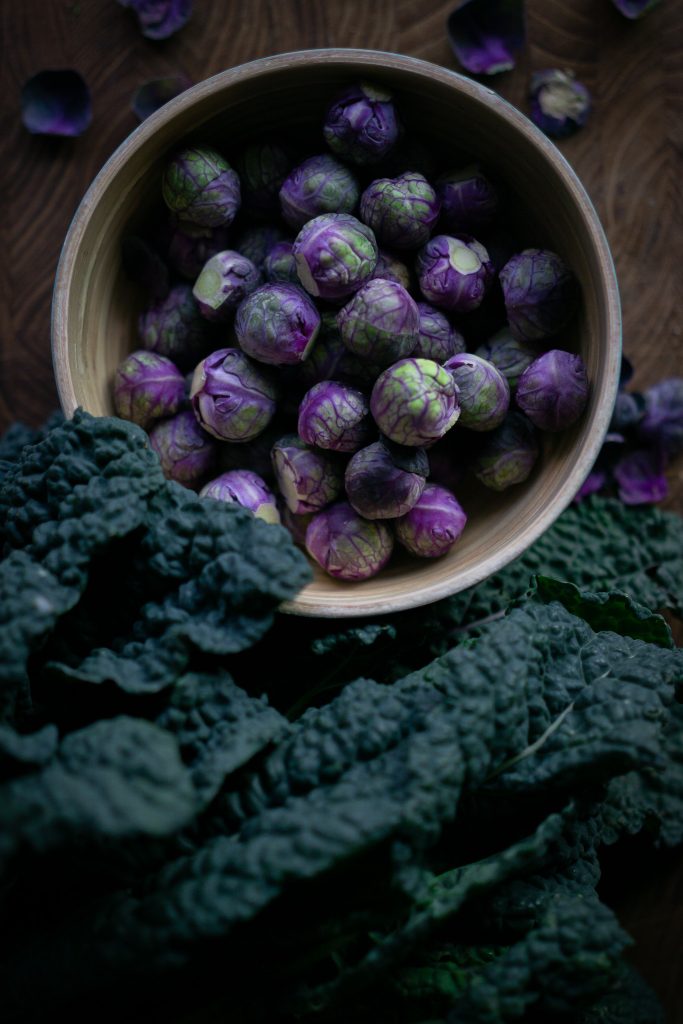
{"points": [[357, 332]]}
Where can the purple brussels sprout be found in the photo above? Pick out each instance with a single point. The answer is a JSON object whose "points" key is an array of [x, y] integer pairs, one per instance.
{"points": [[56, 103], [485, 34], [662, 421], [232, 397], [279, 266], [191, 246], [361, 125], [330, 359], [334, 416], [308, 478], [147, 387], [380, 324], [634, 8], [296, 524], [186, 452], [199, 185], [415, 402], [153, 95], [262, 168], [245, 488], [277, 324], [391, 269], [256, 242], [159, 19], [454, 272], [553, 390], [144, 265], [560, 104], [223, 282], [468, 200], [319, 185], [437, 339], [540, 293], [483, 391], [433, 524], [508, 354], [174, 327], [508, 454], [384, 481], [335, 253], [401, 211], [640, 476], [346, 545]]}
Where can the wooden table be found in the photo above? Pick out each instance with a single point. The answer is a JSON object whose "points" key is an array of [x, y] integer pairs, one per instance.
{"points": [[627, 157]]}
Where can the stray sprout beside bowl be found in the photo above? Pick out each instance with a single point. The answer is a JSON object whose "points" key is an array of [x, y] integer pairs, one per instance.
{"points": [[96, 306]]}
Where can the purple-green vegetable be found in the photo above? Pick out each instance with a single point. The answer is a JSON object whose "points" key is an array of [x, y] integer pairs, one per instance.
{"points": [[389, 268], [560, 104], [319, 185], [159, 19], [226, 279], [381, 482], [247, 489], [335, 253], [147, 387], [380, 324], [330, 359], [401, 211], [346, 545], [173, 327], [200, 186], [437, 339], [361, 124], [279, 266], [56, 103], [156, 93], [256, 242], [262, 168], [540, 293], [469, 202], [633, 9], [308, 479], [335, 416], [192, 245], [508, 354], [186, 452], [486, 34], [415, 402], [277, 324], [508, 453], [553, 390], [433, 524], [483, 391], [232, 397], [454, 272]]}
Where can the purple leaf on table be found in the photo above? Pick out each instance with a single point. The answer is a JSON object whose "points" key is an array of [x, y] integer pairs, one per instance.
{"points": [[485, 34], [56, 102], [160, 19]]}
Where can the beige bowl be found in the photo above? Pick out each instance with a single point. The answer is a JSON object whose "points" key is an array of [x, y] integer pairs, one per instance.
{"points": [[95, 306]]}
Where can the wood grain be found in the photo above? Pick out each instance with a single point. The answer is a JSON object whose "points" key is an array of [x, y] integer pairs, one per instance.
{"points": [[628, 157]]}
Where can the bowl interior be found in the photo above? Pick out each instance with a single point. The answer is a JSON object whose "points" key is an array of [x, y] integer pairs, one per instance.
{"points": [[96, 306]]}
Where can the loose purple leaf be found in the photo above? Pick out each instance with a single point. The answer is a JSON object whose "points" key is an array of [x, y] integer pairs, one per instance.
{"points": [[159, 19], [640, 476], [484, 34], [154, 94], [560, 104], [634, 8], [56, 103], [662, 422]]}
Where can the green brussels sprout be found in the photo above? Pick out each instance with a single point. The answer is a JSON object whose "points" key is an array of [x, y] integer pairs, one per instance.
{"points": [[147, 387], [401, 211], [508, 454], [381, 483], [262, 167], [335, 416], [508, 354], [361, 123], [437, 339], [277, 324], [226, 279], [174, 327], [319, 185], [308, 479], [186, 452], [380, 323], [201, 186], [415, 402], [335, 253], [232, 397], [483, 391], [245, 488]]}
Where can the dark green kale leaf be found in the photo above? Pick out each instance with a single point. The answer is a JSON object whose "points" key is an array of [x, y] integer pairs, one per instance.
{"points": [[115, 780], [629, 1001], [17, 436], [219, 727], [567, 959], [21, 753]]}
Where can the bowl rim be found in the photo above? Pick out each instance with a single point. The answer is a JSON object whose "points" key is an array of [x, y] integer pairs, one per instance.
{"points": [[361, 60]]}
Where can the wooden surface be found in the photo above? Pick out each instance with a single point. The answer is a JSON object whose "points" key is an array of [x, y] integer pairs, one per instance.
{"points": [[628, 157]]}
